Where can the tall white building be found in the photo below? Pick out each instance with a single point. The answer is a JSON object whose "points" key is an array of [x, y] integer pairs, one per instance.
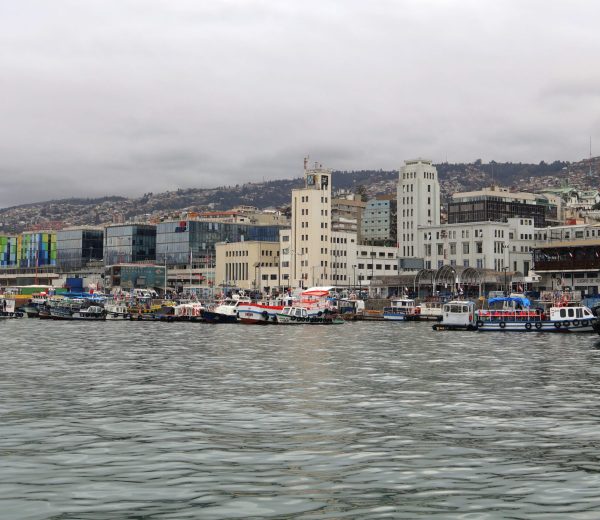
{"points": [[418, 203], [311, 229]]}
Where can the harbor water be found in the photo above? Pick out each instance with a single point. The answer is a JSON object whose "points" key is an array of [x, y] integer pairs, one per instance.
{"points": [[110, 420]]}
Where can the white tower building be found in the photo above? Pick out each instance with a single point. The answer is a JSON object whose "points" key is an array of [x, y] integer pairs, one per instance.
{"points": [[311, 229], [418, 203]]}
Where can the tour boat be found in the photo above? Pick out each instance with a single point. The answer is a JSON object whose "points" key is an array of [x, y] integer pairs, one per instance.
{"points": [[117, 311], [516, 315], [431, 310], [401, 309], [191, 311], [72, 312]]}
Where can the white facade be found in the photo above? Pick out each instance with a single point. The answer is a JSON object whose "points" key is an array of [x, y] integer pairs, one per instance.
{"points": [[418, 203], [483, 245], [311, 233]]}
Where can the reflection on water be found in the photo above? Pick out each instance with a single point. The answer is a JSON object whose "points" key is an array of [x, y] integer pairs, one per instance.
{"points": [[377, 420]]}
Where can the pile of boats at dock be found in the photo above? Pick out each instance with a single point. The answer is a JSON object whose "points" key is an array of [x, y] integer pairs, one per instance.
{"points": [[319, 306]]}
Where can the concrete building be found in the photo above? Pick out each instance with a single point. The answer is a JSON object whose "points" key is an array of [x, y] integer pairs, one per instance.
{"points": [[418, 203], [346, 214], [310, 238], [482, 245], [251, 266]]}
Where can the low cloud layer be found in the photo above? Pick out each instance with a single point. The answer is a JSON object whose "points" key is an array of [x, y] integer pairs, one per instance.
{"points": [[124, 97]]}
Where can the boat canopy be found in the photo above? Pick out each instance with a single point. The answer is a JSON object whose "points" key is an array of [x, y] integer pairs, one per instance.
{"points": [[524, 302], [317, 291]]}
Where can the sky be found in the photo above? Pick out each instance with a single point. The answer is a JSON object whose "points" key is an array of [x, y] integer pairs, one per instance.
{"points": [[124, 97]]}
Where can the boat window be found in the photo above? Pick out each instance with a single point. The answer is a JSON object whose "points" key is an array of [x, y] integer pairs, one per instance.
{"points": [[286, 310], [298, 312], [579, 312], [586, 312], [571, 313], [563, 313], [465, 308], [446, 308]]}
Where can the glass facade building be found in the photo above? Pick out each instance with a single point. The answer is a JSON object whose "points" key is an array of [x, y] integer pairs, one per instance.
{"points": [[193, 241], [136, 276], [8, 251], [36, 249], [76, 247], [129, 243]]}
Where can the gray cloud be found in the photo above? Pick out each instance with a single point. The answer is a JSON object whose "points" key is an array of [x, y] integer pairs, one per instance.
{"points": [[129, 96]]}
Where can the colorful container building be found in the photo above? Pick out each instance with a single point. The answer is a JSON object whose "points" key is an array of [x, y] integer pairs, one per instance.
{"points": [[36, 249], [8, 251]]}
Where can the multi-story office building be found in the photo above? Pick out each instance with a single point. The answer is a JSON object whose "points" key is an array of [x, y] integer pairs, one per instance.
{"points": [[483, 245], [185, 242], [249, 265], [8, 251], [129, 243], [36, 249], [346, 214], [499, 204], [374, 261], [418, 203], [379, 224], [76, 248], [310, 238]]}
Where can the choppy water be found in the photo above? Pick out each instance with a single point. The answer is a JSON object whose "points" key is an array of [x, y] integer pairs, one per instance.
{"points": [[364, 420]]}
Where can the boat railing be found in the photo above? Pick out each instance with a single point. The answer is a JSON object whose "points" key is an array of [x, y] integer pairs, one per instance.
{"points": [[509, 315]]}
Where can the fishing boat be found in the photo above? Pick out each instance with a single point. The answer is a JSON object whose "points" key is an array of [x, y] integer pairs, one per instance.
{"points": [[515, 314], [258, 313], [401, 309], [189, 311], [117, 311], [8, 310], [457, 315]]}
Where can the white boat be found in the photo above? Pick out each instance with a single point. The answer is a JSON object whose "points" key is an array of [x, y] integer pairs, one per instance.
{"points": [[516, 315], [457, 315], [117, 311], [431, 310], [226, 311], [305, 315], [401, 309], [191, 311], [68, 312], [259, 313]]}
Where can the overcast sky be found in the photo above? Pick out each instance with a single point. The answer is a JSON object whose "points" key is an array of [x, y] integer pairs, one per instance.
{"points": [[101, 97]]}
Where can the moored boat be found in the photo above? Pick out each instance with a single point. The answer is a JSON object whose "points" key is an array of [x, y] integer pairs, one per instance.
{"points": [[304, 315], [401, 309], [457, 315], [258, 313]]}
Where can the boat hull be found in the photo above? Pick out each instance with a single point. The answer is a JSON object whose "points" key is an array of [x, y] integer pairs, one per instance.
{"points": [[576, 326], [217, 317]]}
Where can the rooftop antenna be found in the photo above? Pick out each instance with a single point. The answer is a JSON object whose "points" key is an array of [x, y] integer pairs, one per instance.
{"points": [[590, 155]]}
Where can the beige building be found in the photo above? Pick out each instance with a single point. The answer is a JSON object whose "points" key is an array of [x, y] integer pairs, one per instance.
{"points": [[252, 266], [310, 238]]}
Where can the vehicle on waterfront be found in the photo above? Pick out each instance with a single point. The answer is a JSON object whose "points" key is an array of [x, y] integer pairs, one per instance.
{"points": [[515, 314], [457, 315], [401, 309]]}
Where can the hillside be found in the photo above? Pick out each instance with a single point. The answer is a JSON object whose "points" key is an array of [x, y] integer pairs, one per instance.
{"points": [[276, 193]]}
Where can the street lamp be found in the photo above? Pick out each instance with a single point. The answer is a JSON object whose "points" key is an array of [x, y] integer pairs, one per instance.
{"points": [[505, 269]]}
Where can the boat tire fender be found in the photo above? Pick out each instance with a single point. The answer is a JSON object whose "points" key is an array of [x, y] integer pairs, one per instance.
{"points": [[502, 324], [575, 323], [528, 326], [292, 318], [265, 314], [538, 325], [584, 323], [557, 324], [479, 323], [320, 313], [566, 323]]}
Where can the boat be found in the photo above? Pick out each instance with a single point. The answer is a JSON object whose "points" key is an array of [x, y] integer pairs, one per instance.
{"points": [[190, 311], [74, 312], [117, 311], [8, 310], [351, 309], [304, 315], [517, 315], [457, 315], [431, 310], [226, 311], [401, 309], [258, 312]]}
